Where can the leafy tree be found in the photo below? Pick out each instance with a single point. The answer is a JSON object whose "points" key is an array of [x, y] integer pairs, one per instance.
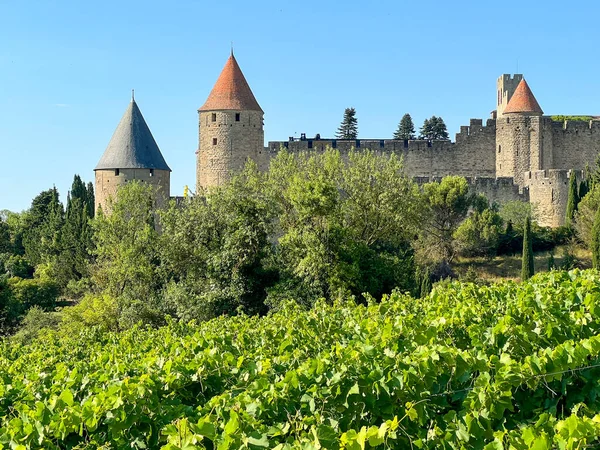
{"points": [[344, 227], [595, 241], [215, 250], [445, 205], [527, 267], [516, 213], [127, 253], [348, 129], [479, 234], [585, 215], [406, 128], [434, 129], [572, 201]]}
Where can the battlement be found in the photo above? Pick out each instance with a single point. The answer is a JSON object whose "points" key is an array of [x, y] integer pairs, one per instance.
{"points": [[574, 125], [511, 77], [476, 126], [550, 176]]}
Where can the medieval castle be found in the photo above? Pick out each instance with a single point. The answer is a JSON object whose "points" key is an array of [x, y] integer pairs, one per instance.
{"points": [[519, 154]]}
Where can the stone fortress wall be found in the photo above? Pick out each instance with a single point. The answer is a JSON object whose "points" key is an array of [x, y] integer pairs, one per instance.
{"points": [[472, 155]]}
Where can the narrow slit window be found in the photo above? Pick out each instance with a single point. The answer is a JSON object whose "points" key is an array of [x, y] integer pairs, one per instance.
{"points": [[214, 141], [116, 172], [214, 117], [237, 117], [151, 172]]}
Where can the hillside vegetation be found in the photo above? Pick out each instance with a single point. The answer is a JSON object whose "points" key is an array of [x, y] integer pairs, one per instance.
{"points": [[506, 366]]}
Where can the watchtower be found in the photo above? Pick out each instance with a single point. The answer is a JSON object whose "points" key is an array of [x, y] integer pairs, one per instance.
{"points": [[132, 154], [230, 128], [506, 86], [519, 135]]}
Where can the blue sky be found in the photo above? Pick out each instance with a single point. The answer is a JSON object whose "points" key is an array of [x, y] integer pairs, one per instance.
{"points": [[67, 70]]}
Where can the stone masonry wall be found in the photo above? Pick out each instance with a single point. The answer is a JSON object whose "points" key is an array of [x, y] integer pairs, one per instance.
{"points": [[471, 156], [225, 144], [549, 192], [575, 144], [107, 184]]}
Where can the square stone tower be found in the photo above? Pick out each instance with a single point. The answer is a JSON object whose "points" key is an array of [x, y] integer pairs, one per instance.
{"points": [[506, 86]]}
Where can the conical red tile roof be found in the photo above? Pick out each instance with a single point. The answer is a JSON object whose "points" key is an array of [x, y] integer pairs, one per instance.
{"points": [[523, 101], [231, 91]]}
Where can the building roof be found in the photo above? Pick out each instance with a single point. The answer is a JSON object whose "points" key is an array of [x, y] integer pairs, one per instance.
{"points": [[231, 91], [523, 101], [132, 145]]}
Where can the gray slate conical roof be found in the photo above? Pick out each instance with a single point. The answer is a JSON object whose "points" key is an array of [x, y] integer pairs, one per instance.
{"points": [[132, 145]]}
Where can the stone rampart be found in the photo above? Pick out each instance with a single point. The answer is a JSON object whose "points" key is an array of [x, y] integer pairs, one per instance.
{"points": [[549, 192], [472, 155], [575, 144]]}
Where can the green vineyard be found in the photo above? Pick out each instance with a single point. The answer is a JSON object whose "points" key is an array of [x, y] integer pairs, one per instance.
{"points": [[511, 366]]}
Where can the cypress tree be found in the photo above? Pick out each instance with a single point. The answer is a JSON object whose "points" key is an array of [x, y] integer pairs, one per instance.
{"points": [[572, 200], [527, 268], [349, 127], [406, 128], [426, 283], [583, 189], [551, 262], [596, 241]]}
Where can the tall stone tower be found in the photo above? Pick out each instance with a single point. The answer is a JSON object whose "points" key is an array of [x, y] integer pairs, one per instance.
{"points": [[519, 135], [506, 86], [132, 154], [230, 128]]}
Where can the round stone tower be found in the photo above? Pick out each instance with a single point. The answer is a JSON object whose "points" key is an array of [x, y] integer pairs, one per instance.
{"points": [[132, 154], [518, 135], [230, 128]]}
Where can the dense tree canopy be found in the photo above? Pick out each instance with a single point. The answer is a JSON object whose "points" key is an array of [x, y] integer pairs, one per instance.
{"points": [[434, 129]]}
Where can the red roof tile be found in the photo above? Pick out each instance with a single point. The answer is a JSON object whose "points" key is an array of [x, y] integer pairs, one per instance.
{"points": [[231, 91], [523, 101]]}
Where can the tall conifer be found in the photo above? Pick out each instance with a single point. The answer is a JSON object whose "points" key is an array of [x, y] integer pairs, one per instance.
{"points": [[527, 268], [406, 128], [349, 127], [572, 201]]}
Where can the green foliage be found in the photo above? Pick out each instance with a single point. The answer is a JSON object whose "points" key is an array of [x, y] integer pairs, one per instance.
{"points": [[572, 200], [348, 129], [99, 311], [444, 205], [585, 214], [434, 129], [34, 292], [504, 366], [559, 118], [527, 267], [406, 128], [595, 241], [342, 227], [215, 250], [479, 234], [127, 245], [35, 322]]}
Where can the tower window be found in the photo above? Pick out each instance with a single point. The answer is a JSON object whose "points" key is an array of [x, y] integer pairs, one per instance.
{"points": [[116, 172], [214, 141], [214, 117], [237, 117], [499, 148], [151, 172]]}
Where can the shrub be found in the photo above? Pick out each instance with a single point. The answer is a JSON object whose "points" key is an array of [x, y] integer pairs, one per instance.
{"points": [[34, 292], [92, 311]]}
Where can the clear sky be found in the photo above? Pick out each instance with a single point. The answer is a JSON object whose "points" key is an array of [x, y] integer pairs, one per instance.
{"points": [[67, 69]]}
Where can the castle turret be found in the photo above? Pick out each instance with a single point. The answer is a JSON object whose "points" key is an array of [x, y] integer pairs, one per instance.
{"points": [[519, 135], [132, 154], [230, 128], [506, 86]]}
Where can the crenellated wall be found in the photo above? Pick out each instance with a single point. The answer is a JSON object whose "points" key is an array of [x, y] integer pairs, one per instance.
{"points": [[549, 192], [472, 155], [575, 144]]}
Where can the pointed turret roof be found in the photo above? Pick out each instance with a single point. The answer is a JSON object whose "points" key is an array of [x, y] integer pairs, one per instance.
{"points": [[231, 91], [132, 145], [523, 101]]}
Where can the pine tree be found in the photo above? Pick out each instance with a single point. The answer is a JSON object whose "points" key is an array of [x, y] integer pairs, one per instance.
{"points": [[527, 268], [596, 241], [349, 127], [406, 128], [434, 129], [572, 201]]}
